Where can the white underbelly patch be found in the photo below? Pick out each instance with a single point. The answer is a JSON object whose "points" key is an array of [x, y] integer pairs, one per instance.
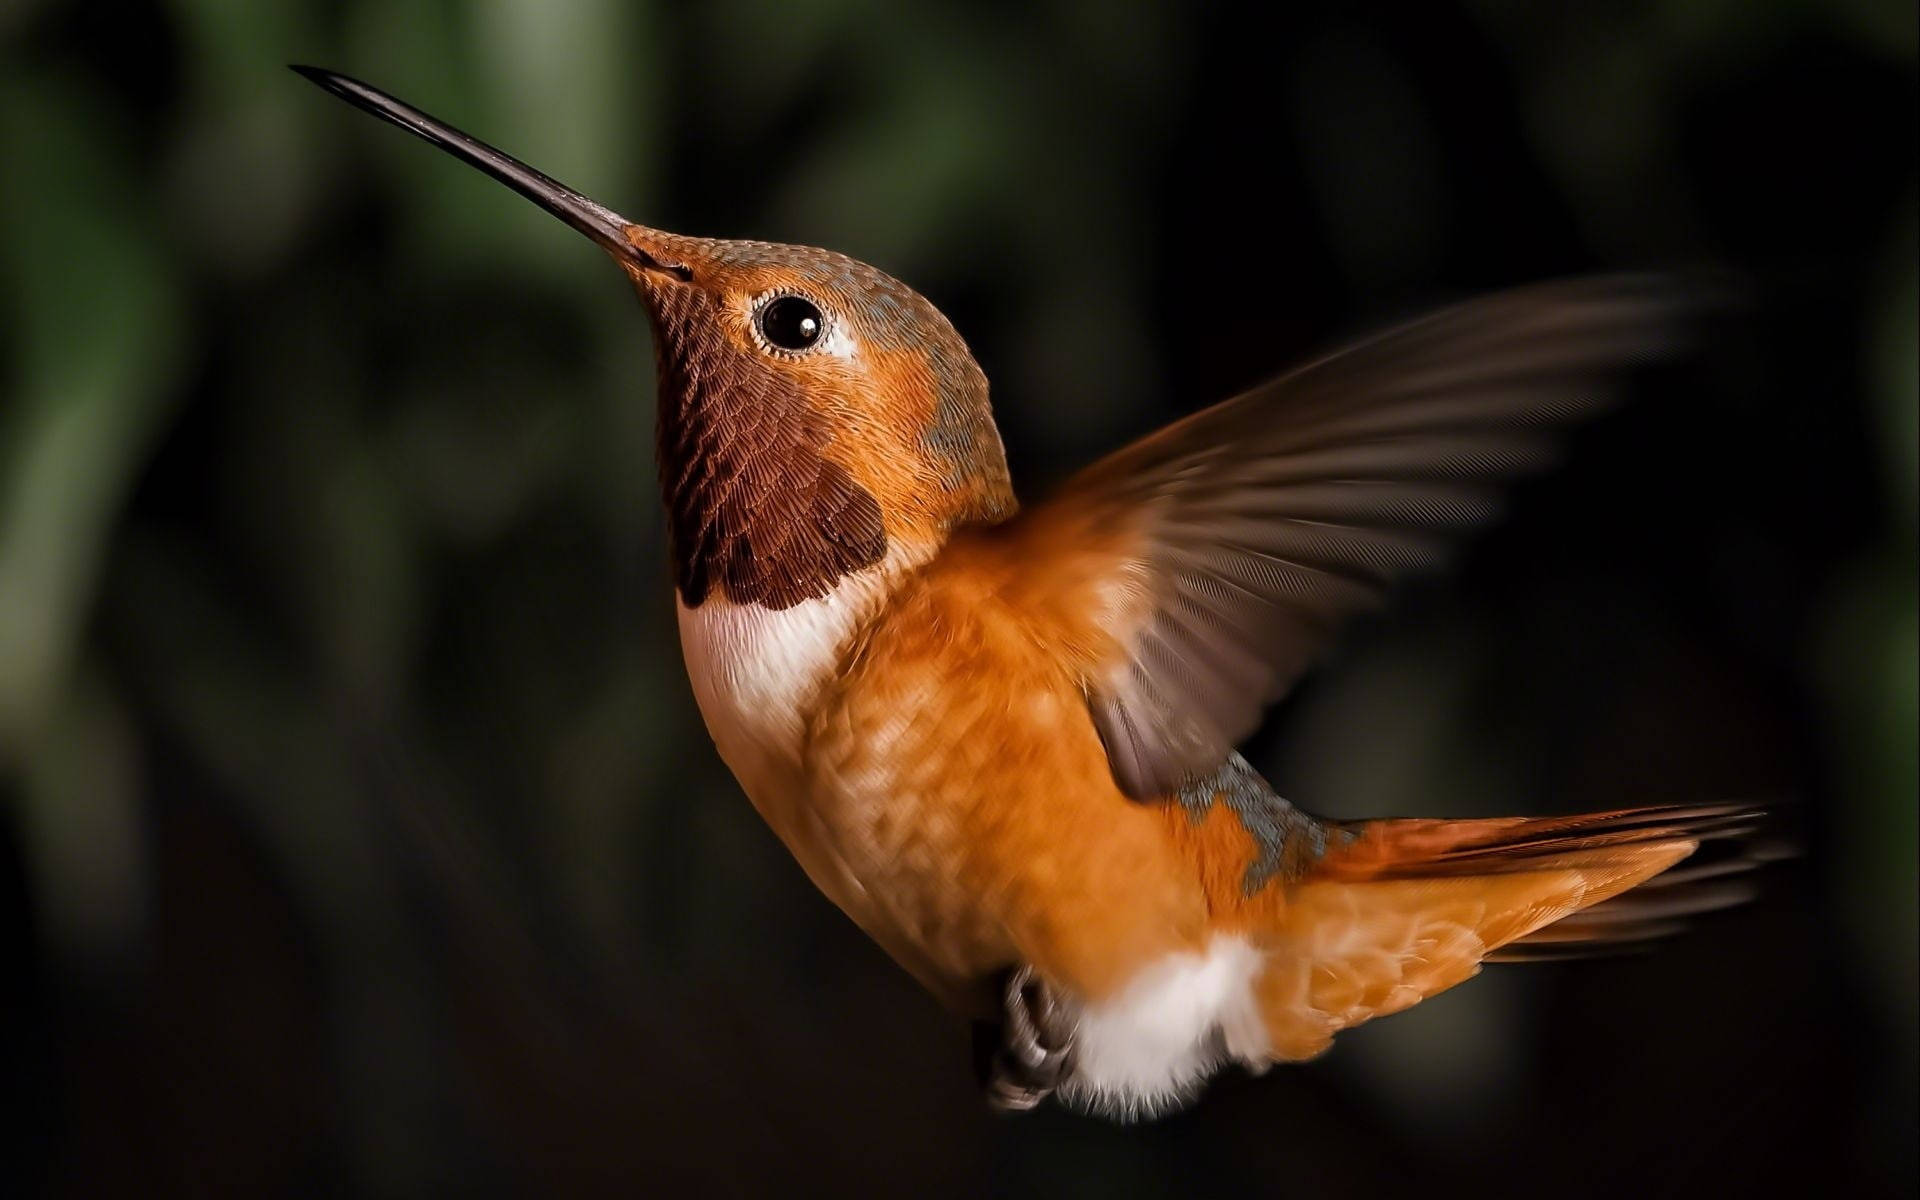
{"points": [[1149, 1047]]}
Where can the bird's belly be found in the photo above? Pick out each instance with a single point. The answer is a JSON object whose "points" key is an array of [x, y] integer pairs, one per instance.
{"points": [[928, 883], [963, 832], [946, 788], [958, 776]]}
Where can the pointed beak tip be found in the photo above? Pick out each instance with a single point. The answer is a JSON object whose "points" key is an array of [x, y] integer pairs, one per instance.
{"points": [[628, 243], [332, 81]]}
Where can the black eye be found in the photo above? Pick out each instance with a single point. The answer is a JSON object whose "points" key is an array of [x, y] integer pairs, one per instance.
{"points": [[791, 322]]}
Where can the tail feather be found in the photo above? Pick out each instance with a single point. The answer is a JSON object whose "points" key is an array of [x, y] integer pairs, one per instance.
{"points": [[1405, 909], [1653, 911], [1424, 849]]}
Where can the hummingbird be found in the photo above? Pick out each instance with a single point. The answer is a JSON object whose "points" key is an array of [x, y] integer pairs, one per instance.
{"points": [[1002, 739]]}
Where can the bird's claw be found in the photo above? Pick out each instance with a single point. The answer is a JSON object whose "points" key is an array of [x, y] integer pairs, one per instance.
{"points": [[1036, 1044]]}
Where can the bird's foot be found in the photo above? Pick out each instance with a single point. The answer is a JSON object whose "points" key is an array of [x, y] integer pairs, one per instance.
{"points": [[1036, 1044]]}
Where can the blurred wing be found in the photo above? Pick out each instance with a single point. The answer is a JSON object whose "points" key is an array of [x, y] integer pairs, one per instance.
{"points": [[1245, 534]]}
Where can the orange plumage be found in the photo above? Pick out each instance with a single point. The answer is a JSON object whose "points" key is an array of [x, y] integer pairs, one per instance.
{"points": [[1002, 741]]}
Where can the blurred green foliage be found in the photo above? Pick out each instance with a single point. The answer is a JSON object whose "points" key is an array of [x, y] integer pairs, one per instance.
{"points": [[339, 697]]}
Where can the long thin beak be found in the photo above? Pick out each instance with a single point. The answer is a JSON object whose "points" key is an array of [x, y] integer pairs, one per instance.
{"points": [[611, 231]]}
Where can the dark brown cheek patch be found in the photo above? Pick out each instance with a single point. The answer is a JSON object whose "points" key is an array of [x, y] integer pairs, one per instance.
{"points": [[752, 504]]}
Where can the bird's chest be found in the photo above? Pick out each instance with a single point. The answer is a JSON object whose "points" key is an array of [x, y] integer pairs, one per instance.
{"points": [[757, 674], [852, 771]]}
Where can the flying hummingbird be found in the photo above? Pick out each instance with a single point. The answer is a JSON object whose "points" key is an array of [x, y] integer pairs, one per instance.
{"points": [[1002, 739]]}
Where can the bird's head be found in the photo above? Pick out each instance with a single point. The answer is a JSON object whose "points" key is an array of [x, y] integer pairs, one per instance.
{"points": [[818, 418]]}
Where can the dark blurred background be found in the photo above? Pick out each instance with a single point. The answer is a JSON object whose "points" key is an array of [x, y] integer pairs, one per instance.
{"points": [[361, 836]]}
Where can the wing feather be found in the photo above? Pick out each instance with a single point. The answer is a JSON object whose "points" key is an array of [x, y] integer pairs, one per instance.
{"points": [[1249, 532]]}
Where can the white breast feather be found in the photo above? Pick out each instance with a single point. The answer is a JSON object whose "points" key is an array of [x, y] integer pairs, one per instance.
{"points": [[753, 668]]}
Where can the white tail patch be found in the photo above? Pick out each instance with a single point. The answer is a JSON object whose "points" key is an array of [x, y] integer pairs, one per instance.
{"points": [[1148, 1048]]}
